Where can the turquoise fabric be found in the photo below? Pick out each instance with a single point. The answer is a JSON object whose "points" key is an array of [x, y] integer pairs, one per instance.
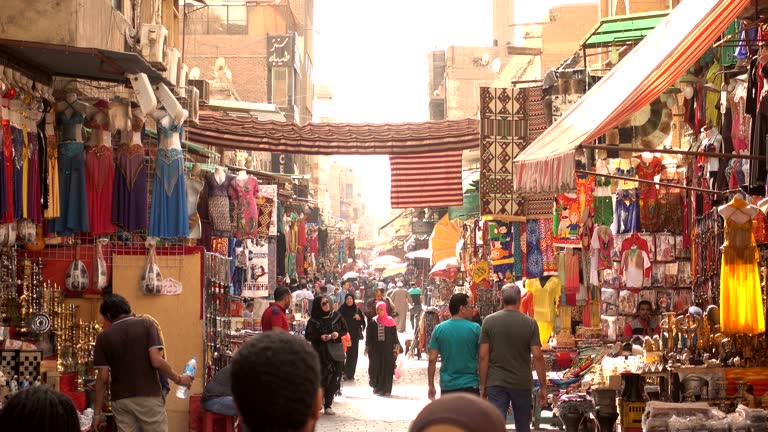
{"points": [[458, 341]]}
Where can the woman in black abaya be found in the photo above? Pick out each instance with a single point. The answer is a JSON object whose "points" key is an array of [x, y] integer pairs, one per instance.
{"points": [[381, 347], [325, 328]]}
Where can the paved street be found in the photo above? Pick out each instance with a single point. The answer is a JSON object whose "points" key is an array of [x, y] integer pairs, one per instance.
{"points": [[359, 410]]}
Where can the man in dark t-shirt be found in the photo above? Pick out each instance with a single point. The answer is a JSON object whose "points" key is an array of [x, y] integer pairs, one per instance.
{"points": [[130, 351]]}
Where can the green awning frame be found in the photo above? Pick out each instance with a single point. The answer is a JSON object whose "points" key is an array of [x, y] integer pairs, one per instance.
{"points": [[621, 30]]}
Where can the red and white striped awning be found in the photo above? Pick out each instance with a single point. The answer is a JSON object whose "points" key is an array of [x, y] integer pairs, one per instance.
{"points": [[547, 165]]}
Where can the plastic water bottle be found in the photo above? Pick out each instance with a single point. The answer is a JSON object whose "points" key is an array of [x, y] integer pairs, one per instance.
{"points": [[189, 369]]}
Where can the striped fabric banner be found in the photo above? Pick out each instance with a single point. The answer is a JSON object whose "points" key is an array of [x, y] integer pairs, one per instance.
{"points": [[426, 180]]}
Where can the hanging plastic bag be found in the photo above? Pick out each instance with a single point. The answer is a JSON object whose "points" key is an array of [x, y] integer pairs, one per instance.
{"points": [[346, 341], [76, 277], [399, 367], [101, 265], [151, 278]]}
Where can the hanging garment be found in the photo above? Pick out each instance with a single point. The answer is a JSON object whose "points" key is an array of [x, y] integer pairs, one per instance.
{"points": [[218, 204], [302, 231], [243, 194], [194, 187], [648, 194], [20, 157], [129, 194], [322, 241], [169, 217], [600, 252], [545, 299], [635, 264], [34, 190], [627, 214], [670, 203], [99, 181], [534, 258], [280, 254], [72, 190], [741, 301], [7, 168], [52, 159]]}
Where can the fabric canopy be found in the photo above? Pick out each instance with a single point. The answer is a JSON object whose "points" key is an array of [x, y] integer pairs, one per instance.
{"points": [[246, 133], [547, 165]]}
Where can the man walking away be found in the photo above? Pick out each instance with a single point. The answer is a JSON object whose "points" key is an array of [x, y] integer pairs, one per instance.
{"points": [[276, 383], [129, 350], [400, 299], [457, 342], [507, 340], [415, 300]]}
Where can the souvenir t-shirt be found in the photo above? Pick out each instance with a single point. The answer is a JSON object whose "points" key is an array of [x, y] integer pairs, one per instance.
{"points": [[635, 262]]}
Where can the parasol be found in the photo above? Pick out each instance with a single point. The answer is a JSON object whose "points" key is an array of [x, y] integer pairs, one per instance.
{"points": [[446, 268], [384, 261], [423, 253], [394, 269], [445, 236], [350, 275]]}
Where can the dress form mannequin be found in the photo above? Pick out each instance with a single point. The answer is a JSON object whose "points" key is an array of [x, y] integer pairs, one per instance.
{"points": [[712, 143], [137, 124], [170, 217], [217, 186], [99, 122], [220, 174], [194, 187], [129, 209], [242, 175], [69, 108]]}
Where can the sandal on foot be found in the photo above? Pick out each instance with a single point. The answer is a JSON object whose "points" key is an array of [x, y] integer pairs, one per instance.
{"points": [[330, 411]]}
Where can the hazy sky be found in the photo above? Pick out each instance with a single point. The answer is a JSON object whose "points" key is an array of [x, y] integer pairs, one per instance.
{"points": [[374, 54]]}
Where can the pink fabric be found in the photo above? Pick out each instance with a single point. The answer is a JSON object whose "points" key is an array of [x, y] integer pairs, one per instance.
{"points": [[385, 320]]}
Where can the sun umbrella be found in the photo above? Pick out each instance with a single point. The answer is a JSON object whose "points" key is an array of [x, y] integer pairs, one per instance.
{"points": [[384, 261], [394, 269], [423, 253], [446, 268], [350, 275], [444, 238]]}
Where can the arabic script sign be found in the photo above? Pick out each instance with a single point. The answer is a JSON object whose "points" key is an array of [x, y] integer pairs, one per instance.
{"points": [[280, 50]]}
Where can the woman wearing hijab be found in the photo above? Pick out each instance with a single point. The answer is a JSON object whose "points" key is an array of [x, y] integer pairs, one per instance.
{"points": [[355, 320], [381, 347], [325, 329]]}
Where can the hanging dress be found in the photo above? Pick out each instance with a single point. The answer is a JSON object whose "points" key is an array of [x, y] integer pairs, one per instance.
{"points": [[648, 193], [169, 217], [218, 204], [741, 301], [99, 180], [34, 189], [129, 194], [73, 210], [52, 159], [6, 165], [19, 164], [244, 193]]}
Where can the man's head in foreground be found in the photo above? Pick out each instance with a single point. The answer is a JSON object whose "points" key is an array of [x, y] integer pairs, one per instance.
{"points": [[276, 383]]}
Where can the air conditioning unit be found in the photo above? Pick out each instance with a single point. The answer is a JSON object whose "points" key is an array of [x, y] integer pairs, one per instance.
{"points": [[203, 87], [194, 106], [181, 80], [174, 61], [154, 45]]}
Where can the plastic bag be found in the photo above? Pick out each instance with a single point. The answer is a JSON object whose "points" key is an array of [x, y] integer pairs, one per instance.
{"points": [[151, 278], [101, 265], [346, 340], [399, 367]]}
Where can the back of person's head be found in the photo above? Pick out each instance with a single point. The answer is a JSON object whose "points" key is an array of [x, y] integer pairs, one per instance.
{"points": [[281, 292], [40, 409], [459, 411], [114, 306], [456, 302], [510, 294], [323, 289], [276, 383], [250, 304]]}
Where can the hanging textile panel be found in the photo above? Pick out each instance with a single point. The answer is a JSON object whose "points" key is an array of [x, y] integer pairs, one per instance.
{"points": [[534, 114], [502, 135], [426, 180]]}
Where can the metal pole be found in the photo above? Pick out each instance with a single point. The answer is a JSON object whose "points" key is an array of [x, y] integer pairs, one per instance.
{"points": [[670, 185], [675, 152]]}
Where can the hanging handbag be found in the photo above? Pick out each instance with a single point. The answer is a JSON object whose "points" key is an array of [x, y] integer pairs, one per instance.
{"points": [[151, 278], [336, 350], [76, 277]]}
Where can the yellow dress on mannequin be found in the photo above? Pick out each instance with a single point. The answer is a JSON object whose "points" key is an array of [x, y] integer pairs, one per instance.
{"points": [[741, 301], [545, 298]]}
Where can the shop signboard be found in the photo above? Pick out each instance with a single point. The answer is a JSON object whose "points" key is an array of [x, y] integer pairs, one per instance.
{"points": [[280, 50], [422, 227], [258, 266]]}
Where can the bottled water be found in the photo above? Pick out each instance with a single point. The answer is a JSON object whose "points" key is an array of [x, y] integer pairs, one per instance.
{"points": [[189, 369]]}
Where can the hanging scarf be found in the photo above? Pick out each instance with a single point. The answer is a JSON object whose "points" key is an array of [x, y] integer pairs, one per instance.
{"points": [[386, 320]]}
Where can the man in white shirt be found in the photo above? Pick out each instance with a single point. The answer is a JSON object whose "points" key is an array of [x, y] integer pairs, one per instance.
{"points": [[302, 294], [248, 312]]}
